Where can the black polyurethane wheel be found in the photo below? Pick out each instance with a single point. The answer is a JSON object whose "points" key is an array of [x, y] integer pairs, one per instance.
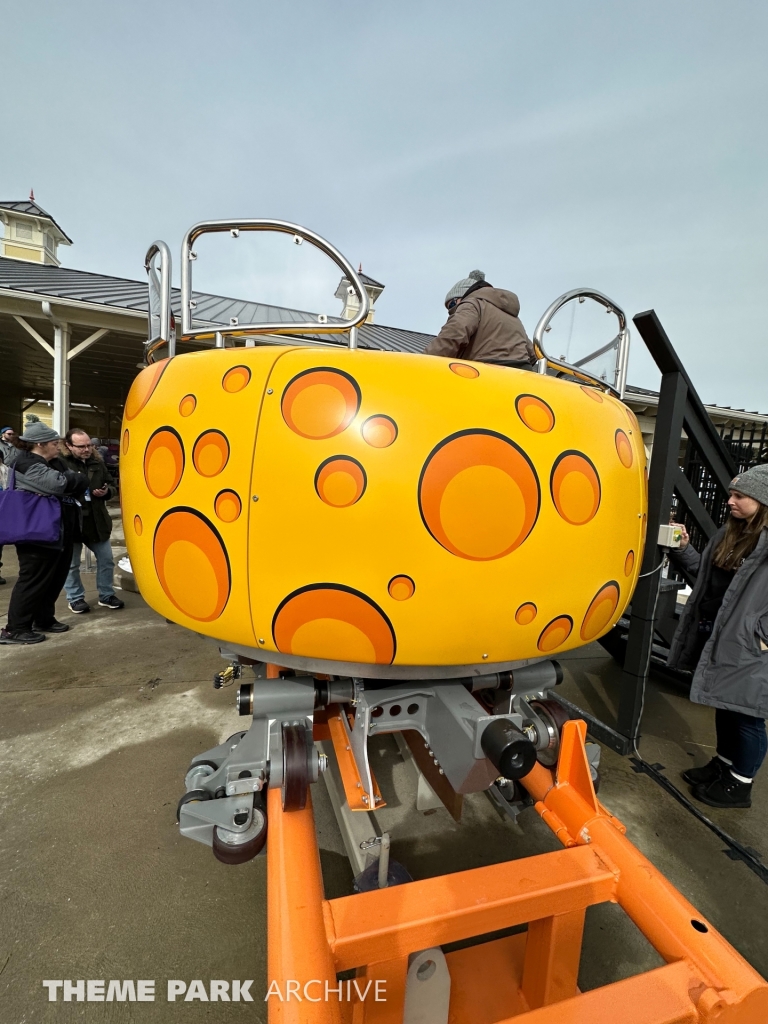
{"points": [[239, 847], [295, 768], [188, 798]]}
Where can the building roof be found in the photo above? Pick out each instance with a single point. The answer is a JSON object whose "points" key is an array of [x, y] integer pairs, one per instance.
{"points": [[31, 208], [64, 283]]}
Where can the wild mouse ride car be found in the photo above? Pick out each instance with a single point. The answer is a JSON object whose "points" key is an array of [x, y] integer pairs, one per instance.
{"points": [[409, 538]]}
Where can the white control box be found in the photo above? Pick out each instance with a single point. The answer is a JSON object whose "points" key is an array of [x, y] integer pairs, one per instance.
{"points": [[670, 536]]}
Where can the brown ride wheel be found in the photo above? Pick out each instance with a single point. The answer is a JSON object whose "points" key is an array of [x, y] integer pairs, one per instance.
{"points": [[554, 717], [239, 847], [295, 768]]}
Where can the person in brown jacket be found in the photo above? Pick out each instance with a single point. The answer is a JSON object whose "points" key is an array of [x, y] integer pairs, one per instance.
{"points": [[483, 325]]}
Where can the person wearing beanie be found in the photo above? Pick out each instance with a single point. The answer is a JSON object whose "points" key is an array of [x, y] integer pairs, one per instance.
{"points": [[483, 325], [42, 567], [722, 637]]}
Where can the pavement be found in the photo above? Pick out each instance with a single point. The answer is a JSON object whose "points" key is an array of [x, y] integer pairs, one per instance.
{"points": [[98, 726]]}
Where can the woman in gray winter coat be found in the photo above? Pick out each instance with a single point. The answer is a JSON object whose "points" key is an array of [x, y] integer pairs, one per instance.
{"points": [[723, 637]]}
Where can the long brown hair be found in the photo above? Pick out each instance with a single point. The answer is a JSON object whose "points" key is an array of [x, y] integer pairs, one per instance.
{"points": [[740, 539]]}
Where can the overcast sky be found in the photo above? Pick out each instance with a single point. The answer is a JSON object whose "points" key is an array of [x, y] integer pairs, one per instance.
{"points": [[552, 144]]}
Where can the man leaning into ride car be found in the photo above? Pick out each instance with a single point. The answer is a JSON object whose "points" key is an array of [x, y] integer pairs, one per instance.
{"points": [[97, 524], [483, 325]]}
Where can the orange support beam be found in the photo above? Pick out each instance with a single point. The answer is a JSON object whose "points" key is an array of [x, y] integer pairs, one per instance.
{"points": [[552, 956], [670, 923], [297, 947], [390, 923], [534, 973]]}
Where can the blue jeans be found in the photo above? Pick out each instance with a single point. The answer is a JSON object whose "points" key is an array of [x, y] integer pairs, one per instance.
{"points": [[741, 740], [105, 568]]}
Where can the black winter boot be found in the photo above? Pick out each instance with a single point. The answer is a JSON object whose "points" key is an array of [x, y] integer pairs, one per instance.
{"points": [[725, 792], [706, 774]]}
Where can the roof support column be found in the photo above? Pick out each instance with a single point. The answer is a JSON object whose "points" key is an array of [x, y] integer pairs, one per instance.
{"points": [[62, 334]]}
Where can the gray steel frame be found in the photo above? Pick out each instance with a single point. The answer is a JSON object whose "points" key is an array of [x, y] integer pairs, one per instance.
{"points": [[620, 342]]}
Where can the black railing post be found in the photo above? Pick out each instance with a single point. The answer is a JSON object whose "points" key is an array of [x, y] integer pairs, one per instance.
{"points": [[661, 483]]}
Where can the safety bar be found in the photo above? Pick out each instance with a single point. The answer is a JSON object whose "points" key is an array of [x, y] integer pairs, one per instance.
{"points": [[620, 342], [236, 329], [160, 328]]}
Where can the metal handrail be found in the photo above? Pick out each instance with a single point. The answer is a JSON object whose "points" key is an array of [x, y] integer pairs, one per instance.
{"points": [[300, 234], [161, 333], [620, 342]]}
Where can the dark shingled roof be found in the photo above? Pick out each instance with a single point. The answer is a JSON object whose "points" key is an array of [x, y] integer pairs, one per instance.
{"points": [[27, 206], [83, 286]]}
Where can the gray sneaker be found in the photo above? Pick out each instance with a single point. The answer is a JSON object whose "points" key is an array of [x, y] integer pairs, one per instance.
{"points": [[112, 602]]}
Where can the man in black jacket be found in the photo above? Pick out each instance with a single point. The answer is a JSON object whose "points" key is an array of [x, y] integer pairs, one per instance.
{"points": [[97, 524]]}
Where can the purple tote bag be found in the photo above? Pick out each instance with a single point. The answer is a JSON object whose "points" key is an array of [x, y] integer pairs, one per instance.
{"points": [[27, 518]]}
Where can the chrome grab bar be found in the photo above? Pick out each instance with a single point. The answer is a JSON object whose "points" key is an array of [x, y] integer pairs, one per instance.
{"points": [[620, 343], [160, 331], [300, 234]]}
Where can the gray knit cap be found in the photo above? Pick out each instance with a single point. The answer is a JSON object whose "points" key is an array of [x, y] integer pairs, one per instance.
{"points": [[460, 289], [753, 483], [38, 433]]}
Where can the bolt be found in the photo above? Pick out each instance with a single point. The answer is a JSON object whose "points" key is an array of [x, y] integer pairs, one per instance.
{"points": [[435, 760], [365, 799], [255, 497], [359, 785], [269, 391], [485, 655], [426, 746], [441, 771], [378, 799], [322, 762], [261, 639], [348, 748]]}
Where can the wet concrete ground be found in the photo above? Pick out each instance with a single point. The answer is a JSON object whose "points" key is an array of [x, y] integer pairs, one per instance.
{"points": [[97, 729]]}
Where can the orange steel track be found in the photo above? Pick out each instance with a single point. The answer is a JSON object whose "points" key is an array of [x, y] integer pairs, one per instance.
{"points": [[529, 977]]}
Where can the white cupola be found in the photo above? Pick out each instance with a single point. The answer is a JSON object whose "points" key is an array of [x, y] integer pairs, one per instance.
{"points": [[29, 233], [351, 301]]}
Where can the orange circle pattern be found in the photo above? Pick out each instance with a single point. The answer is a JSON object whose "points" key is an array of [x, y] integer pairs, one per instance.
{"points": [[192, 564], [593, 393], [479, 495], [379, 431], [629, 563], [236, 379], [138, 526], [163, 462], [210, 453], [340, 481], [227, 506], [126, 441], [320, 403], [143, 387], [535, 413], [400, 588], [624, 449], [464, 370], [330, 621], [555, 633], [600, 611], [526, 613], [187, 405], [575, 488]]}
